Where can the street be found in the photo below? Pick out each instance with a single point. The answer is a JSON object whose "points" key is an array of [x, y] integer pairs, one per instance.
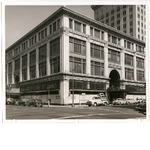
{"points": [[77, 112]]}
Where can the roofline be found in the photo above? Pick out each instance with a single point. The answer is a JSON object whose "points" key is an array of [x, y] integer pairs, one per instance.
{"points": [[94, 7], [90, 21]]}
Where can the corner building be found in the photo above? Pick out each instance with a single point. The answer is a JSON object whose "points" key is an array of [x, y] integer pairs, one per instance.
{"points": [[70, 52]]}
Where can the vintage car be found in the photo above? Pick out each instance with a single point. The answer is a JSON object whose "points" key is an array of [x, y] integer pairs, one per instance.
{"points": [[97, 100], [141, 106], [19, 102], [9, 101], [119, 101], [130, 101], [35, 103]]}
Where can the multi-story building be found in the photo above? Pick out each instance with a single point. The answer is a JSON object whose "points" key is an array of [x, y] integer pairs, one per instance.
{"points": [[70, 53], [130, 19]]}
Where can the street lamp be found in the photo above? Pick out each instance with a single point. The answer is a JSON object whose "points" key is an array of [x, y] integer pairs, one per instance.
{"points": [[9, 89], [73, 84]]}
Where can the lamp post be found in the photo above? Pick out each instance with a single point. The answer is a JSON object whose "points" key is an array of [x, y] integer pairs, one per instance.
{"points": [[73, 84], [9, 89]]}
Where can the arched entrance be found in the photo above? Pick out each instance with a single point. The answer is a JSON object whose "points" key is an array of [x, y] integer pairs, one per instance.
{"points": [[16, 79], [114, 79], [114, 86]]}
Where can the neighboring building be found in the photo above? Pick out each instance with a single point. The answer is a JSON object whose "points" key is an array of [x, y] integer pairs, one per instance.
{"points": [[68, 47], [130, 19]]}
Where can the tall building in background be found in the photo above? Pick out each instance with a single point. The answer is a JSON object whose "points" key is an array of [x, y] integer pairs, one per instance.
{"points": [[130, 19]]}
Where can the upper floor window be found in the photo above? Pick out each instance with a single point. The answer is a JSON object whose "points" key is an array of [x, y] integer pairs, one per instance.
{"points": [[42, 52], [118, 9], [91, 31], [139, 62], [113, 56], [112, 12], [10, 67], [17, 64], [33, 57], [24, 61], [42, 34], [84, 28], [77, 26], [130, 9], [24, 45], [128, 59], [97, 33], [32, 40], [16, 50], [139, 48], [55, 47], [70, 23], [10, 55]]}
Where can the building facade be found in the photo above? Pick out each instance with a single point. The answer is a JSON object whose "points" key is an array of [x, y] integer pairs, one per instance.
{"points": [[130, 19], [70, 53]]}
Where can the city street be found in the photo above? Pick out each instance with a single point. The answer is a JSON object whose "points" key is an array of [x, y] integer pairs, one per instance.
{"points": [[77, 112]]}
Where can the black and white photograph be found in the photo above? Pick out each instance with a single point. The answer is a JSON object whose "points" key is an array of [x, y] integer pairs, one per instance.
{"points": [[75, 75], [81, 62]]}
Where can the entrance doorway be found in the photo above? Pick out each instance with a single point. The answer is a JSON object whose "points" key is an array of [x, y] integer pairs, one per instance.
{"points": [[114, 79]]}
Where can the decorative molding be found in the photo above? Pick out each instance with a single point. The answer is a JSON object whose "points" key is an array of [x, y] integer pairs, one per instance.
{"points": [[114, 66]]}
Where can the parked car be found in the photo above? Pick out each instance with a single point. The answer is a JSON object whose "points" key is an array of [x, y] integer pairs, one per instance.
{"points": [[26, 101], [19, 102], [35, 103], [141, 106], [130, 101], [139, 100], [97, 100], [119, 101], [9, 101]]}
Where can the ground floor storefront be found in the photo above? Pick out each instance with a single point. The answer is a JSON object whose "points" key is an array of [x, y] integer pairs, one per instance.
{"points": [[64, 89]]}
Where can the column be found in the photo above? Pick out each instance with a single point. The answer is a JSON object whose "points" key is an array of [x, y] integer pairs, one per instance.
{"points": [[135, 79], [65, 21], [105, 36], [48, 58], [20, 68], [106, 61], [37, 63], [134, 47], [28, 67], [122, 42], [88, 58], [122, 65], [64, 92], [64, 56], [13, 69]]}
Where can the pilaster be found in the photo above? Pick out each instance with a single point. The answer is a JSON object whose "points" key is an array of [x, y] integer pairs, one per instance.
{"points": [[122, 65], [28, 67], [106, 61], [135, 79], [20, 68], [13, 69], [48, 58], [88, 58], [37, 63]]}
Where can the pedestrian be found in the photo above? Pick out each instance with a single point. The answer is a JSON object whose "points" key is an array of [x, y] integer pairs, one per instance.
{"points": [[49, 102]]}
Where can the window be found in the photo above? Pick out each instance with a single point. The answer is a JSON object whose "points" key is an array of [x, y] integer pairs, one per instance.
{"points": [[97, 33], [42, 69], [118, 22], [142, 11], [42, 34], [112, 18], [139, 48], [91, 31], [97, 68], [50, 28], [16, 50], [33, 72], [54, 26], [140, 63], [10, 67], [55, 47], [138, 22], [70, 24], [97, 51], [131, 16], [112, 12], [142, 24], [129, 74], [140, 75], [124, 12], [142, 31], [130, 9], [24, 45], [10, 55], [77, 65], [118, 9], [112, 24], [138, 36], [138, 9], [107, 21], [10, 78], [42, 52], [138, 15], [33, 57], [131, 30], [128, 59], [84, 28], [58, 23], [131, 23], [24, 61], [118, 28], [124, 19], [124, 26], [17, 64], [124, 6], [102, 35], [77, 46], [55, 65], [113, 56], [77, 26], [114, 39], [24, 74], [107, 14], [32, 40], [118, 15], [128, 45]]}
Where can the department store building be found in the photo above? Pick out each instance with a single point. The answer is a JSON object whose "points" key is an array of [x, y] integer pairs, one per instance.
{"points": [[71, 53]]}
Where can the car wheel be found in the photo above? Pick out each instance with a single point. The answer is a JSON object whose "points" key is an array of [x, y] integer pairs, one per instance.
{"points": [[105, 104], [89, 105], [95, 104]]}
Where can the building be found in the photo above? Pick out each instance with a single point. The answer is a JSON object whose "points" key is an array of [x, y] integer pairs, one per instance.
{"points": [[130, 19], [70, 55]]}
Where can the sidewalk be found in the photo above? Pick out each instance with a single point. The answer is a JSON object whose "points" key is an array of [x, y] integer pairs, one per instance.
{"points": [[65, 106]]}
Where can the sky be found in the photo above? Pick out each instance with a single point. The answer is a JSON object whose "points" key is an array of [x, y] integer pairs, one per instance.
{"points": [[19, 20]]}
